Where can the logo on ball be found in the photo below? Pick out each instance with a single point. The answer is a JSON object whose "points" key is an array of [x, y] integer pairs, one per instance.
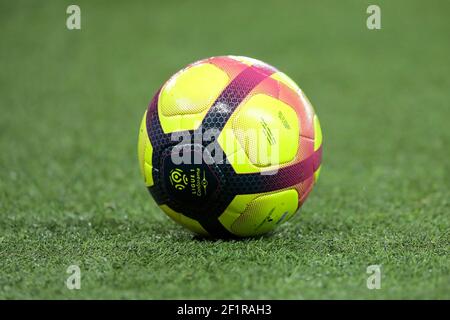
{"points": [[178, 179]]}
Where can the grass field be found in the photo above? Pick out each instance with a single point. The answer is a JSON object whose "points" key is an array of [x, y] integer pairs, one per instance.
{"points": [[70, 187]]}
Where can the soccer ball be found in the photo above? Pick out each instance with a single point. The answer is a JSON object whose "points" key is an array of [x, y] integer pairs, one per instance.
{"points": [[230, 147]]}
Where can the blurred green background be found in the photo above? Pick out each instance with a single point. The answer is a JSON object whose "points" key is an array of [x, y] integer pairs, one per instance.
{"points": [[70, 187]]}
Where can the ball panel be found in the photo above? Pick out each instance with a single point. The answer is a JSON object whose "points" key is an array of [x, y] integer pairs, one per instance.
{"points": [[317, 174], [193, 90], [254, 63], [236, 207], [145, 152], [306, 148], [231, 66], [283, 78], [240, 202], [227, 218], [317, 133], [248, 61], [141, 143], [288, 92], [305, 113], [261, 134], [308, 112], [265, 212], [294, 98], [187, 96], [317, 143], [187, 222], [306, 187], [268, 130]]}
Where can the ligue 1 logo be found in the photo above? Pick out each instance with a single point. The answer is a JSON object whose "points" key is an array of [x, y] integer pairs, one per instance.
{"points": [[178, 179]]}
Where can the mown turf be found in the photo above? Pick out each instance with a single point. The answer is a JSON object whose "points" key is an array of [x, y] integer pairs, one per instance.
{"points": [[70, 188]]}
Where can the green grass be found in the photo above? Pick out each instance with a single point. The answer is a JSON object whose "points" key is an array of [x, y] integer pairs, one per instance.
{"points": [[70, 187]]}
